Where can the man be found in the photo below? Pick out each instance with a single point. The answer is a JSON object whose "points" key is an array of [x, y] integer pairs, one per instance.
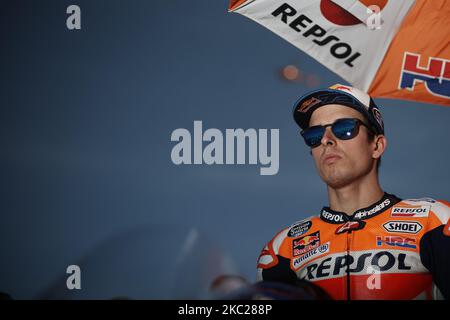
{"points": [[367, 244]]}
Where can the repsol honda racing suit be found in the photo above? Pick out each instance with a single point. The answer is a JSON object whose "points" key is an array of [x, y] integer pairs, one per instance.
{"points": [[394, 249]]}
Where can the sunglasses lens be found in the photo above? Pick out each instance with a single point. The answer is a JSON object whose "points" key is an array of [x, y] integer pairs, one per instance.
{"points": [[313, 135], [345, 129]]}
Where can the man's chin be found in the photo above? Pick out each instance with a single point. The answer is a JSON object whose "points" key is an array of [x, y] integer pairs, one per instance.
{"points": [[337, 181]]}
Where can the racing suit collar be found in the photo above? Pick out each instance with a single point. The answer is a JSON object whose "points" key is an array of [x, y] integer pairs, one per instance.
{"points": [[336, 217]]}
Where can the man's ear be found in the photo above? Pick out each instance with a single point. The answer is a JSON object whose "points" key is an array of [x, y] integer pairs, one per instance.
{"points": [[380, 145]]}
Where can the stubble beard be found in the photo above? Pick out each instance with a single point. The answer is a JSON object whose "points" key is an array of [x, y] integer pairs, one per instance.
{"points": [[337, 175]]}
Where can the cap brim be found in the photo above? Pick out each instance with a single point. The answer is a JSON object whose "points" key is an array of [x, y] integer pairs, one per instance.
{"points": [[307, 104]]}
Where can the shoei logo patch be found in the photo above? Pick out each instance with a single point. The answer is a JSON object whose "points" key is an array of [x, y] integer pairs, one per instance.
{"points": [[402, 226], [305, 244], [395, 241], [411, 211]]}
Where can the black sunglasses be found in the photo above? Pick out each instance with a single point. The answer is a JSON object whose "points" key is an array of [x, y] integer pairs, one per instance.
{"points": [[343, 129]]}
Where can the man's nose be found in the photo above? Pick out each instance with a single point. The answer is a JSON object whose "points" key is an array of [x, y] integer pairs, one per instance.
{"points": [[328, 137]]}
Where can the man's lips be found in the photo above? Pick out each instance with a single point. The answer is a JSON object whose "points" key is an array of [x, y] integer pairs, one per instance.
{"points": [[330, 158]]}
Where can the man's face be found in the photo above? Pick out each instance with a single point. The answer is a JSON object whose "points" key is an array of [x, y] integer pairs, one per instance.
{"points": [[341, 162]]}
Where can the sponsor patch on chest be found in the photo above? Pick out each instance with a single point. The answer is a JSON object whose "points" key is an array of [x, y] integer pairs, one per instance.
{"points": [[304, 244], [410, 211]]}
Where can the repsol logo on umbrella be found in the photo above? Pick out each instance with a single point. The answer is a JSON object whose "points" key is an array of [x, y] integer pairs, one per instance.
{"points": [[318, 35], [251, 145]]}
